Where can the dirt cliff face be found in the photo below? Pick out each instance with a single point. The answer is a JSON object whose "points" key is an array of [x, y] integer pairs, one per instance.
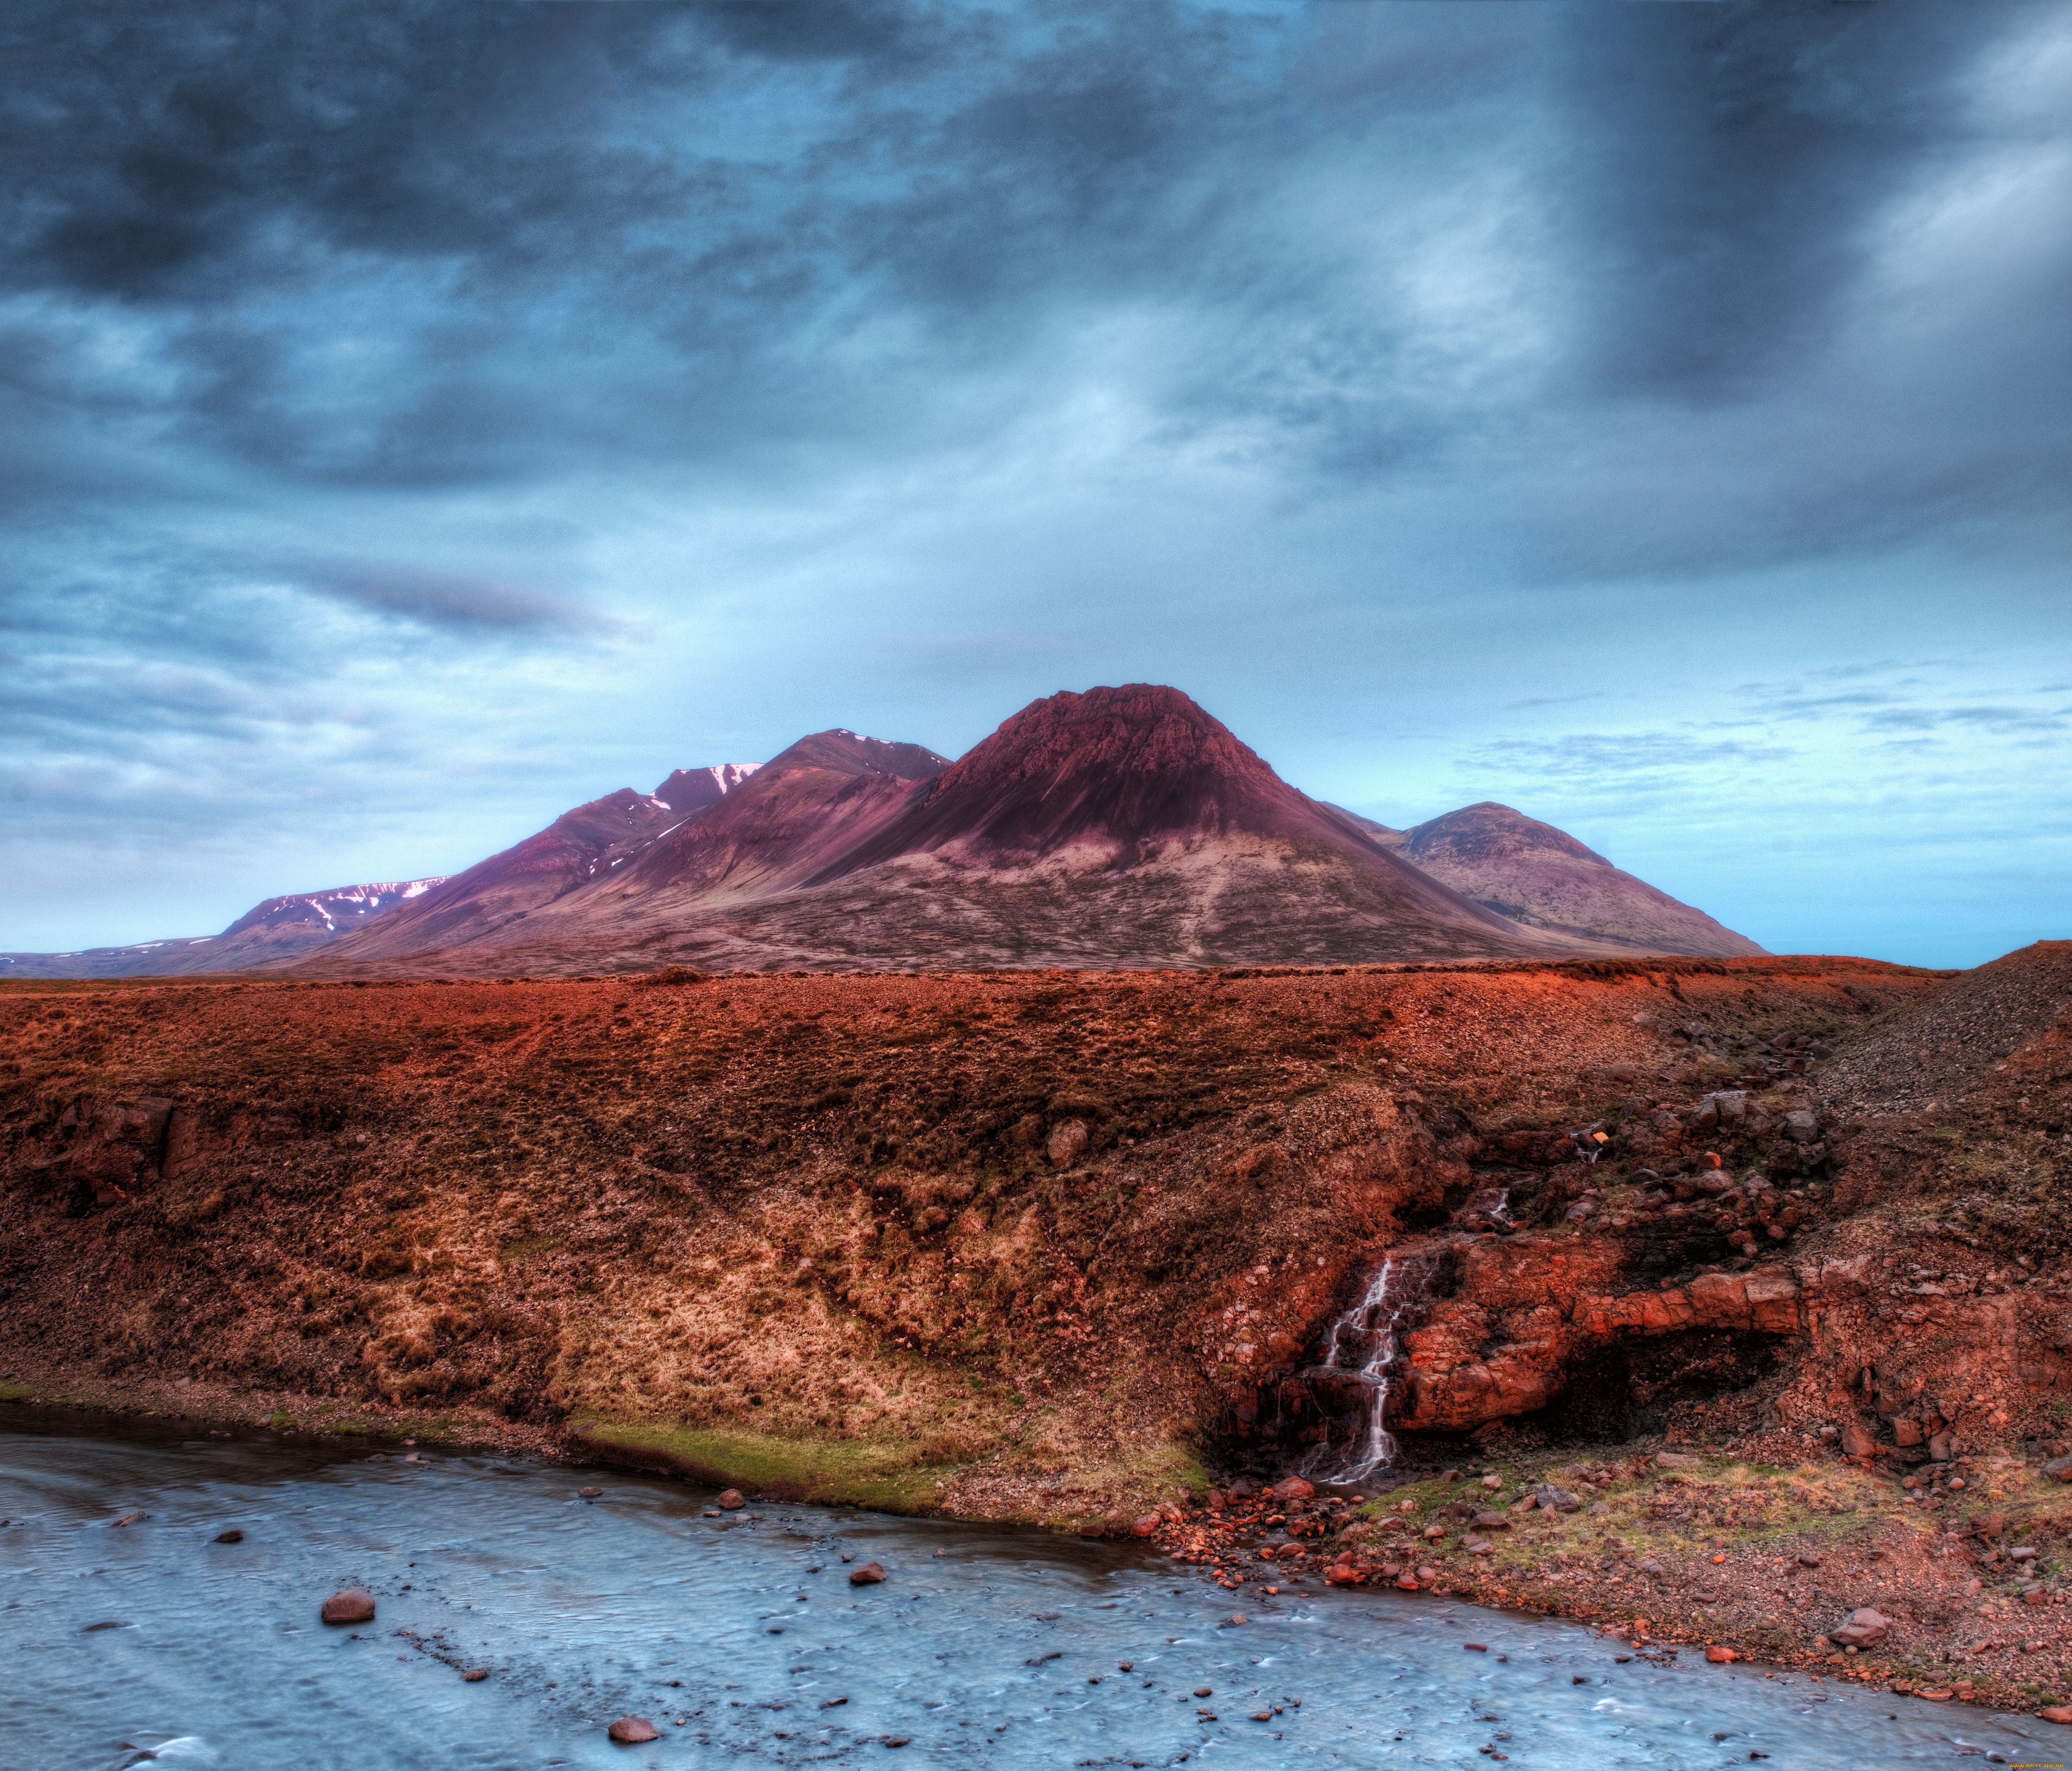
{"points": [[919, 1211]]}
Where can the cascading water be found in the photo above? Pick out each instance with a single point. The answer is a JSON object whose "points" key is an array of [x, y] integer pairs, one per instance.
{"points": [[1360, 1354]]}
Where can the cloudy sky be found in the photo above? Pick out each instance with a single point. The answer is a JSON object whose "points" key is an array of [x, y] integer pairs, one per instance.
{"points": [[419, 419]]}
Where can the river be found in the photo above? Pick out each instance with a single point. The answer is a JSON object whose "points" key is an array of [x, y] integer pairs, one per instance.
{"points": [[742, 1639]]}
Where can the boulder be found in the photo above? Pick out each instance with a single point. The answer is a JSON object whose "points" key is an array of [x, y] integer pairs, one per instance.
{"points": [[1068, 1143], [632, 1730], [1557, 1500], [2060, 1468], [1719, 1656], [1294, 1488], [731, 1500], [2059, 1713], [1857, 1442], [1146, 1526], [1675, 1461], [1865, 1628], [350, 1605], [1802, 1126]]}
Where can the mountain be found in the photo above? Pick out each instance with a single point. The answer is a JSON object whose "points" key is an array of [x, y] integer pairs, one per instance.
{"points": [[1121, 827], [1125, 827], [280, 929], [1544, 878]]}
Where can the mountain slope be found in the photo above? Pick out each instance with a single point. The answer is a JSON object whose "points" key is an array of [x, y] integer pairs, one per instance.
{"points": [[1543, 878], [578, 847], [280, 928]]}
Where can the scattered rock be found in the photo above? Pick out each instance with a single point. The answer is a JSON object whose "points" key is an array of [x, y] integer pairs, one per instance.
{"points": [[233, 1535], [731, 1500], [1719, 1656], [1653, 1566], [351, 1605], [632, 1730], [2060, 1468], [1675, 1461], [1490, 1521], [1145, 1527], [1865, 1628], [1557, 1500], [1068, 1143], [868, 1576], [1857, 1442]]}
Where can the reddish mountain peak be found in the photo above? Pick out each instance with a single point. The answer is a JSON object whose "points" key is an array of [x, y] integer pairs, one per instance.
{"points": [[1116, 765], [1486, 831], [846, 752], [1139, 729]]}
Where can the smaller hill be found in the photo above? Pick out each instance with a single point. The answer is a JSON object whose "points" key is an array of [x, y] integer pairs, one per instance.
{"points": [[1543, 878]]}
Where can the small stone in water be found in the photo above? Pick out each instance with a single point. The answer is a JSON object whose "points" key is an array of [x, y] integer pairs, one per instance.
{"points": [[475, 1675], [1204, 1691], [129, 1518], [631, 1730], [868, 1576], [233, 1535], [351, 1605], [731, 1500], [589, 1494]]}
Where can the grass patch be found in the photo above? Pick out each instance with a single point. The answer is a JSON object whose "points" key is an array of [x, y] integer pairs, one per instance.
{"points": [[15, 1392], [888, 1475]]}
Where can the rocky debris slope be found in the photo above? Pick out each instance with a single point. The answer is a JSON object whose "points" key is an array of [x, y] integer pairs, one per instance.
{"points": [[1948, 1045]]}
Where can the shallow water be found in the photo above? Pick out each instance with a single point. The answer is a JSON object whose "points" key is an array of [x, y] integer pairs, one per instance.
{"points": [[982, 1647]]}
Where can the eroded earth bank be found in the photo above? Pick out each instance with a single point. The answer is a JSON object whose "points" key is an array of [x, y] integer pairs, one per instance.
{"points": [[1733, 1295]]}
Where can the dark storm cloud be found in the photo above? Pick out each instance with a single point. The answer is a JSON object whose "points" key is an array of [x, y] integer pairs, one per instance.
{"points": [[625, 233]]}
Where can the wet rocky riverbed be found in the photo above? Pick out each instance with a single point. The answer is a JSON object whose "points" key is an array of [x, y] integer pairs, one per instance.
{"points": [[740, 1636]]}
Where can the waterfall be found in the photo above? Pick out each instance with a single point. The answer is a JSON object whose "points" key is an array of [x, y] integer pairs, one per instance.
{"points": [[1361, 1352]]}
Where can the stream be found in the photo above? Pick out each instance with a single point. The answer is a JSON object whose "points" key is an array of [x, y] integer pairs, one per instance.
{"points": [[741, 1639]]}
